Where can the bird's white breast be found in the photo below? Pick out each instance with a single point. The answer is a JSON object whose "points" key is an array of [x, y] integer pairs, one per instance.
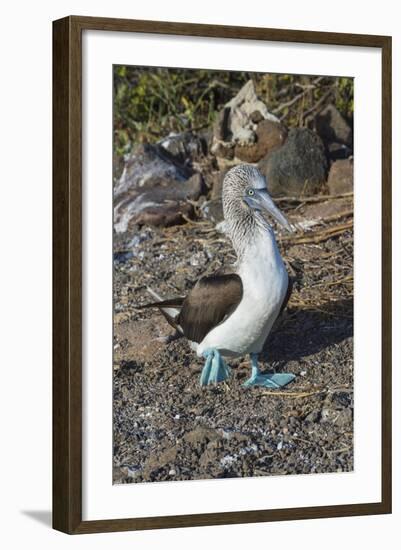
{"points": [[265, 281]]}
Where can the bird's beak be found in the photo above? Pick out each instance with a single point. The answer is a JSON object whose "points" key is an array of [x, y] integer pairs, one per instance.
{"points": [[261, 200]]}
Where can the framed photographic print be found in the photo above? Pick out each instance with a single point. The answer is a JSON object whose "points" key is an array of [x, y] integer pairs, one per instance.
{"points": [[222, 275]]}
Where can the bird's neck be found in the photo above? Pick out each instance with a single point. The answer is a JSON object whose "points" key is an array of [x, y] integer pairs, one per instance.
{"points": [[253, 230]]}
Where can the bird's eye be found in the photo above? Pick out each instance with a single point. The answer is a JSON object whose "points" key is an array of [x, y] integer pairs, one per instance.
{"points": [[250, 192]]}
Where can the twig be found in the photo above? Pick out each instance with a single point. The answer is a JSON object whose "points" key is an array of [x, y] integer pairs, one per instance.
{"points": [[317, 104], [318, 236], [193, 222], [303, 440], [338, 216], [299, 96], [294, 395], [343, 450], [339, 282], [283, 106], [309, 86], [300, 394], [319, 198]]}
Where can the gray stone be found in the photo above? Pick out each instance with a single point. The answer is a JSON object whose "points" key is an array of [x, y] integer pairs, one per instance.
{"points": [[344, 418], [185, 147], [313, 416], [237, 121], [150, 166]]}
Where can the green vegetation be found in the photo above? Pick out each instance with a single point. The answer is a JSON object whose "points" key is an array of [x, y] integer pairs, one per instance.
{"points": [[150, 102], [344, 98]]}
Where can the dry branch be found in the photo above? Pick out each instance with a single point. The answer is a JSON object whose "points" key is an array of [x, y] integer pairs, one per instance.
{"points": [[319, 198], [318, 236]]}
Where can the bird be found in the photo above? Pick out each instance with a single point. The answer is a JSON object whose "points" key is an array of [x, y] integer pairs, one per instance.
{"points": [[230, 313]]}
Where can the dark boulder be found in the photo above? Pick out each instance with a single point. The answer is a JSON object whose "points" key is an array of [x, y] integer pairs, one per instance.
{"points": [[332, 126], [299, 167], [337, 151]]}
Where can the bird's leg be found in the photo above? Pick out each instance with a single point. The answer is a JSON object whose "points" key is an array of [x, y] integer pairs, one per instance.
{"points": [[274, 381], [215, 369]]}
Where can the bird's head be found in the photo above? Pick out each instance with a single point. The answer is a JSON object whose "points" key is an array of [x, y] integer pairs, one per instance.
{"points": [[245, 194]]}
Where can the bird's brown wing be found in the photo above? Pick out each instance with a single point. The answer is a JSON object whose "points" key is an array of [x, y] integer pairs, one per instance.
{"points": [[210, 302]]}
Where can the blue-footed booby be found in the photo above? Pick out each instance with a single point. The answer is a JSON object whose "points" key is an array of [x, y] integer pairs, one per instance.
{"points": [[231, 314]]}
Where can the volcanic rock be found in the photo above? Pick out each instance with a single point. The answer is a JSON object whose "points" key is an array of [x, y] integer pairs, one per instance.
{"points": [[332, 126], [299, 167]]}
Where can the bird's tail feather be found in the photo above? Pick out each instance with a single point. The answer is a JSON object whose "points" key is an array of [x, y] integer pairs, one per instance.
{"points": [[169, 308]]}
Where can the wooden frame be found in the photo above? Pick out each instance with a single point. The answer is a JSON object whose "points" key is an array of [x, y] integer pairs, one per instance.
{"points": [[67, 280]]}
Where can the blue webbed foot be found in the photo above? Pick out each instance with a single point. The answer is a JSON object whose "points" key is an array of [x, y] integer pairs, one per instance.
{"points": [[274, 381], [215, 370]]}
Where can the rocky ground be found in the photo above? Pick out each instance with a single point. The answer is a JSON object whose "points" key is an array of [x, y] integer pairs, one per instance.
{"points": [[167, 234], [167, 427]]}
